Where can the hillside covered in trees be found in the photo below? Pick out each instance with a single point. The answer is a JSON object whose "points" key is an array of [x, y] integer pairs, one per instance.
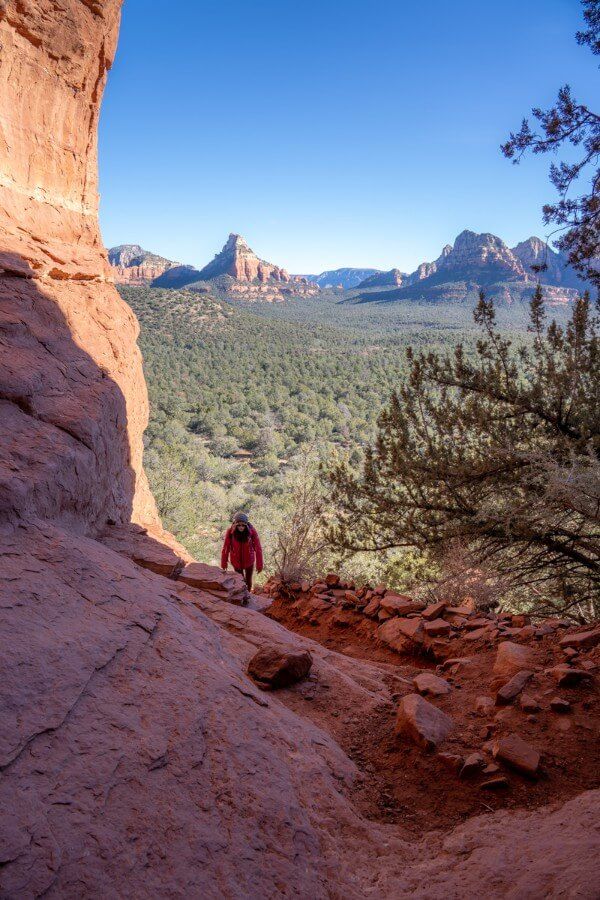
{"points": [[246, 401]]}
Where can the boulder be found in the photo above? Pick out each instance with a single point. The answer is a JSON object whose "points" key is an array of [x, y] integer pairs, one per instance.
{"points": [[510, 690], [428, 684], [517, 754], [422, 722], [276, 667], [512, 658]]}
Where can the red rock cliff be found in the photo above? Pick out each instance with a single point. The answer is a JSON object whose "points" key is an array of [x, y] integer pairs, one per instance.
{"points": [[73, 402]]}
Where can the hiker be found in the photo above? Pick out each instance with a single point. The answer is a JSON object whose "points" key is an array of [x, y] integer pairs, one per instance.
{"points": [[242, 547]]}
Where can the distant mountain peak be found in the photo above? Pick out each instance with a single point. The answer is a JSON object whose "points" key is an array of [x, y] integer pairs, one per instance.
{"points": [[237, 260], [131, 264]]}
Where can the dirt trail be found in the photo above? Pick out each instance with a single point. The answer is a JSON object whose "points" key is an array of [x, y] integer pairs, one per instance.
{"points": [[403, 784]]}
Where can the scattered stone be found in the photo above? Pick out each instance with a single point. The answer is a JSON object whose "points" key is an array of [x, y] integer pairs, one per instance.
{"points": [[487, 632], [559, 705], [526, 633], [491, 769], [472, 765], [588, 665], [570, 652], [434, 611], [397, 605], [423, 722], [437, 628], [528, 703], [397, 632], [512, 658], [456, 663], [510, 690], [566, 675], [372, 608], [544, 629], [276, 667], [517, 753], [519, 621], [428, 684], [494, 784], [582, 641], [451, 761], [474, 624], [484, 705], [332, 579]]}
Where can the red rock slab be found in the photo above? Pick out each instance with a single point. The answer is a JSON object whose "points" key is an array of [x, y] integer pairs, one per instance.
{"points": [[227, 586], [488, 632], [582, 641], [146, 548], [428, 684], [434, 611], [510, 690], [437, 628], [422, 722], [516, 753], [372, 608], [472, 624], [560, 705], [396, 605]]}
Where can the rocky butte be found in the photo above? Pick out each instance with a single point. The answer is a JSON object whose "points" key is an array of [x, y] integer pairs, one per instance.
{"points": [[137, 756], [131, 264]]}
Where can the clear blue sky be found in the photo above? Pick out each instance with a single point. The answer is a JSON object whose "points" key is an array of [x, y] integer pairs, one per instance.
{"points": [[329, 132]]}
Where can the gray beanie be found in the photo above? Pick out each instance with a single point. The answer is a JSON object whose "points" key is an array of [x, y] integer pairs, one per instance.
{"points": [[241, 517]]}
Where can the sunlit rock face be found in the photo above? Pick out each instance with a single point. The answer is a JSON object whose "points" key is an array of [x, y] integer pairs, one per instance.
{"points": [[73, 399]]}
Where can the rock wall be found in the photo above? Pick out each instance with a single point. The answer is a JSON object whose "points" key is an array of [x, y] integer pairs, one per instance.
{"points": [[73, 403]]}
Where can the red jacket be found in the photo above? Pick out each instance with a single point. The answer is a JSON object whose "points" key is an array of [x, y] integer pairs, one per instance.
{"points": [[243, 554]]}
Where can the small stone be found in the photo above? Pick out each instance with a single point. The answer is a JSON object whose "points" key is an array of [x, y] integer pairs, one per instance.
{"points": [[517, 753], [457, 663], [472, 764], [528, 703], [494, 784], [423, 722], [332, 579], [451, 761], [484, 705], [491, 769], [559, 705], [519, 621], [397, 632], [428, 684], [570, 652], [507, 693]]}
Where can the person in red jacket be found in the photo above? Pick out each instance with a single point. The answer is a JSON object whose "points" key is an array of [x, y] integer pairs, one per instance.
{"points": [[242, 546]]}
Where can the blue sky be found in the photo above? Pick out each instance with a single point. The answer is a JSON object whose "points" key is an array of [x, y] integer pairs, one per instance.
{"points": [[329, 134]]}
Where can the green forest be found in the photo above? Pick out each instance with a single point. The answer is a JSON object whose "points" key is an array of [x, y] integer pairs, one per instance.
{"points": [[248, 400]]}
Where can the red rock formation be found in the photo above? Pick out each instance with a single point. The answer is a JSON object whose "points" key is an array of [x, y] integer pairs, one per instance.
{"points": [[136, 757], [131, 264]]}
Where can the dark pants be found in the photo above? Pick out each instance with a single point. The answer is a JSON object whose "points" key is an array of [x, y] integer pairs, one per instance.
{"points": [[247, 573]]}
